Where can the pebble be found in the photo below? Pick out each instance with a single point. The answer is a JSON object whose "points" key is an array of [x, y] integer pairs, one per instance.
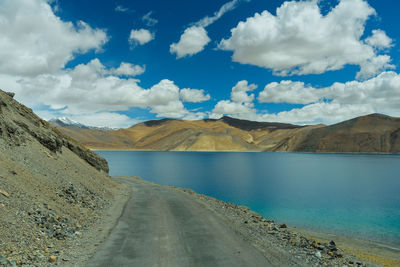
{"points": [[4, 193], [52, 259], [318, 254]]}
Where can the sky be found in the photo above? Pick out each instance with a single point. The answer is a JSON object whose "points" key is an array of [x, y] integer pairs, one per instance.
{"points": [[114, 63]]}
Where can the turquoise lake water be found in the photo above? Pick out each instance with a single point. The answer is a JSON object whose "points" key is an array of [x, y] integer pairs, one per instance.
{"points": [[353, 195]]}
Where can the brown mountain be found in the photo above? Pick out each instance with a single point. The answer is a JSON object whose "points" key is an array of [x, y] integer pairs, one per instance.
{"points": [[225, 134], [374, 133]]}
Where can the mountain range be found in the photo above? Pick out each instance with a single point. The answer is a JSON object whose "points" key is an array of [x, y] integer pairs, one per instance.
{"points": [[374, 133]]}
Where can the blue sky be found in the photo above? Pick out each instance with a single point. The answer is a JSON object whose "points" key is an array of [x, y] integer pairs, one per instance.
{"points": [[116, 63]]}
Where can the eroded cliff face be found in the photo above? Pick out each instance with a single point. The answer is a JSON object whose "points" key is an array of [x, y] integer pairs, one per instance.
{"points": [[51, 189], [18, 124]]}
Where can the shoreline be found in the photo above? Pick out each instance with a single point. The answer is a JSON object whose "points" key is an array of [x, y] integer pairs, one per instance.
{"points": [[241, 220], [367, 250], [246, 151], [371, 252]]}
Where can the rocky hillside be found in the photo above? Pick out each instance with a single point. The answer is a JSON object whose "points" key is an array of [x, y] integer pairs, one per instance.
{"points": [[51, 189], [371, 134], [374, 133]]}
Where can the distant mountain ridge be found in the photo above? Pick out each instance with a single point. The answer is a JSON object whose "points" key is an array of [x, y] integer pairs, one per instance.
{"points": [[66, 122], [374, 133]]}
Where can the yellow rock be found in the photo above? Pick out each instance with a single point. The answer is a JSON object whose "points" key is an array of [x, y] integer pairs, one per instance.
{"points": [[52, 259], [4, 193]]}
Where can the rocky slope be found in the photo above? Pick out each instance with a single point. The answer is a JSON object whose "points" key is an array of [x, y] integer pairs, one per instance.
{"points": [[374, 133], [51, 189]]}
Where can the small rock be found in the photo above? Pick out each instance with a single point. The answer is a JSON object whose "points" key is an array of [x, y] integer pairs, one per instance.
{"points": [[282, 226], [11, 94], [318, 254], [4, 193], [53, 259]]}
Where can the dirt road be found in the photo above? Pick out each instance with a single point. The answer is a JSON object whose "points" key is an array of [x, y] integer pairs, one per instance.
{"points": [[163, 227]]}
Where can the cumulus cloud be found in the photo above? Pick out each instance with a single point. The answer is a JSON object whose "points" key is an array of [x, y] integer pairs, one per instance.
{"points": [[192, 41], [289, 92], [379, 40], [226, 107], [300, 40], [195, 38], [194, 95], [141, 36], [127, 69], [93, 89], [320, 112], [239, 92], [241, 103], [148, 20], [355, 98], [332, 104], [35, 41]]}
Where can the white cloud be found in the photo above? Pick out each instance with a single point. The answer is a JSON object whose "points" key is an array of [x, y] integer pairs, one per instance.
{"points": [[148, 20], [241, 103], [120, 8], [229, 6], [127, 69], [381, 92], [192, 41], [141, 36], [300, 40], [379, 40], [289, 92], [35, 45], [92, 89], [194, 95], [194, 116], [195, 38], [320, 112], [332, 104], [226, 107], [34, 40], [239, 92], [337, 102]]}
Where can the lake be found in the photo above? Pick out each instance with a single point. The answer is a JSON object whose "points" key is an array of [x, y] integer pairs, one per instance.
{"points": [[348, 194]]}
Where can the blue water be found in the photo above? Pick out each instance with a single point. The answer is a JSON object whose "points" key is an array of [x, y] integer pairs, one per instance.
{"points": [[353, 195]]}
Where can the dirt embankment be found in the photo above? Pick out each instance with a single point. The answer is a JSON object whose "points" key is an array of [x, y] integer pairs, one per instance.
{"points": [[51, 189]]}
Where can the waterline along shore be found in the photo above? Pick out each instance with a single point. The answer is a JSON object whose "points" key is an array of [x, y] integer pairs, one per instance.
{"points": [[278, 243]]}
